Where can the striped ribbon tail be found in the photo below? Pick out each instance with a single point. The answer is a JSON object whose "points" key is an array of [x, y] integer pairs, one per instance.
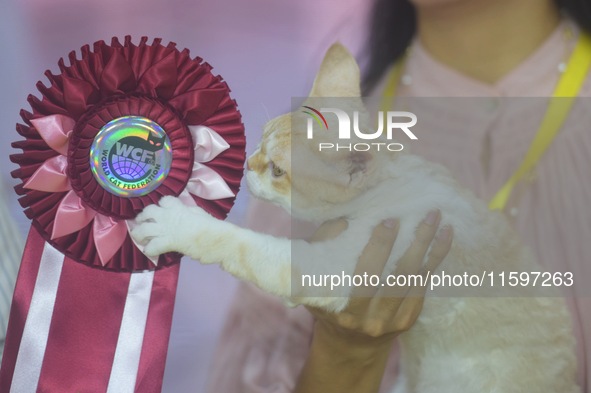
{"points": [[74, 328]]}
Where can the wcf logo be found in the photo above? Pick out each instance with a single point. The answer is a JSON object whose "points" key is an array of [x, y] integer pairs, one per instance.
{"points": [[394, 120]]}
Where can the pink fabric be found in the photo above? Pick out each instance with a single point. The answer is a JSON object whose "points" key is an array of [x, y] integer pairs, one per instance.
{"points": [[186, 198], [84, 333], [55, 131], [110, 81], [264, 344], [156, 337], [109, 235], [23, 293], [94, 330], [51, 176], [205, 182], [208, 143], [131, 224], [71, 216]]}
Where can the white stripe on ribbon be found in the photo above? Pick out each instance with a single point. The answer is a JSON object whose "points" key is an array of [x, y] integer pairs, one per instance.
{"points": [[131, 334], [34, 339]]}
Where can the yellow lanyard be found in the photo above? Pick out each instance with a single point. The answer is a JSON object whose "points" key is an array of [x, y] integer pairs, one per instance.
{"points": [[563, 97]]}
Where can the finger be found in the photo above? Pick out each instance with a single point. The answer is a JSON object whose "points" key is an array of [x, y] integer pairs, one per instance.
{"points": [[439, 249], [405, 308], [412, 260], [342, 319], [409, 310], [329, 230], [375, 255], [417, 281]]}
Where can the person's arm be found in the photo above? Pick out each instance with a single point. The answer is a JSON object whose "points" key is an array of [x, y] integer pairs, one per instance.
{"points": [[337, 363], [350, 349]]}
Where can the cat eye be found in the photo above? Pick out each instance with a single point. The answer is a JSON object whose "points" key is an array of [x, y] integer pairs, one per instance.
{"points": [[276, 170]]}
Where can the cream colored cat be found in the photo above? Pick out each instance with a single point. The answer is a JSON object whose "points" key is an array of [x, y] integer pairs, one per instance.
{"points": [[459, 344]]}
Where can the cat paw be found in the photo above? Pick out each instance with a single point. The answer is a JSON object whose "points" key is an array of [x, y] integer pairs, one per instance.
{"points": [[166, 227]]}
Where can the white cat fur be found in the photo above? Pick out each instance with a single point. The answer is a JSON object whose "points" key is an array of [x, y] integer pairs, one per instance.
{"points": [[458, 344]]}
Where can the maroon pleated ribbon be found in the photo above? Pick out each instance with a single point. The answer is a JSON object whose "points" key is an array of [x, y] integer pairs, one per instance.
{"points": [[92, 313]]}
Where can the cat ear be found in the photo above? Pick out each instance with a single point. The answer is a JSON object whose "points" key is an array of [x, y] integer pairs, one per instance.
{"points": [[339, 75]]}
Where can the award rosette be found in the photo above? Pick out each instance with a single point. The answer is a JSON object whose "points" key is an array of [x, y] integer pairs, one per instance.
{"points": [[120, 127]]}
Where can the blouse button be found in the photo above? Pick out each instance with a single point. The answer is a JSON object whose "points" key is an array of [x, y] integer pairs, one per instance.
{"points": [[513, 212]]}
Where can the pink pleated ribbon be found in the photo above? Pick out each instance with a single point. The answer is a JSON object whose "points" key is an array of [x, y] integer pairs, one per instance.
{"points": [[89, 312], [109, 234], [77, 329]]}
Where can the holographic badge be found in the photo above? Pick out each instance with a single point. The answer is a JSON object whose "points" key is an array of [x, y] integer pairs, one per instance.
{"points": [[130, 156]]}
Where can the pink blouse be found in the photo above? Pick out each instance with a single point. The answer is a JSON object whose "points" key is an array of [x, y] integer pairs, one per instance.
{"points": [[482, 140]]}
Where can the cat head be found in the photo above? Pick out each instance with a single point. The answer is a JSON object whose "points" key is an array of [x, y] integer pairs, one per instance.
{"points": [[288, 169], [155, 143]]}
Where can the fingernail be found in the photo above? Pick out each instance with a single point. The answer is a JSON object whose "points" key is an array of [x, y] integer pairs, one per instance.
{"points": [[391, 223], [432, 217], [445, 233]]}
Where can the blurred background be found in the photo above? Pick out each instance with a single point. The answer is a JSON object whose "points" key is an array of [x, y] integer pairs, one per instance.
{"points": [[267, 50]]}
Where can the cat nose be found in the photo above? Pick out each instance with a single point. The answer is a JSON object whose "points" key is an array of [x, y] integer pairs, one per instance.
{"points": [[248, 165]]}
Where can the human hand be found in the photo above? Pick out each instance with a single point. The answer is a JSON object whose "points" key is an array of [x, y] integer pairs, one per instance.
{"points": [[350, 349], [378, 314]]}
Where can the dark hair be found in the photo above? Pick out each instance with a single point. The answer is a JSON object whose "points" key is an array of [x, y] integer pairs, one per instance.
{"points": [[393, 25]]}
